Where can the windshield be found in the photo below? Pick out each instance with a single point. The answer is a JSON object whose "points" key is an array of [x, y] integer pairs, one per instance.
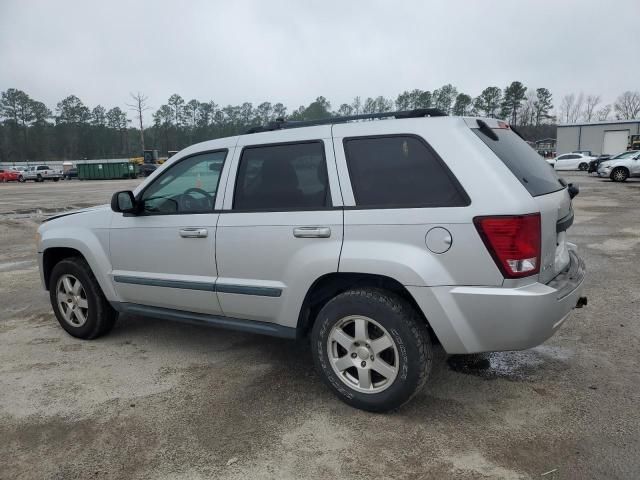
{"points": [[624, 155]]}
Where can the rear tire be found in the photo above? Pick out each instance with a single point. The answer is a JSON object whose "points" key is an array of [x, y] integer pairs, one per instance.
{"points": [[619, 174], [77, 300], [56, 179], [21, 179], [372, 349]]}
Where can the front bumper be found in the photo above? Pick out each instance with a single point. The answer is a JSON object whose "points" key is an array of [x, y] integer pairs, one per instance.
{"points": [[487, 319], [604, 173]]}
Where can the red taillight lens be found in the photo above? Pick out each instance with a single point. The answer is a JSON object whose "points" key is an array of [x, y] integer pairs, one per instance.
{"points": [[513, 241]]}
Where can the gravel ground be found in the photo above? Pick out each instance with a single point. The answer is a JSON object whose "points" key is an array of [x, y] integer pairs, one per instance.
{"points": [[161, 400]]}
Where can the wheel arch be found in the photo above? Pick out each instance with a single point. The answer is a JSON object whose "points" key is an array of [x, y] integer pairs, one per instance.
{"points": [[329, 285], [69, 244]]}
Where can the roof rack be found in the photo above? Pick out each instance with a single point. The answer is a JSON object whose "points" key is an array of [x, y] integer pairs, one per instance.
{"points": [[281, 123]]}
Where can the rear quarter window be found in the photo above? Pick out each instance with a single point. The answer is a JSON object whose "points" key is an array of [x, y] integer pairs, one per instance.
{"points": [[400, 171], [533, 172]]}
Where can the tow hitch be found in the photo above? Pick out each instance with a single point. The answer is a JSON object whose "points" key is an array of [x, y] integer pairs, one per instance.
{"points": [[582, 302]]}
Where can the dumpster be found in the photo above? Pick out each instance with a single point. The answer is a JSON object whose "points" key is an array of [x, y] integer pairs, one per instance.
{"points": [[106, 171]]}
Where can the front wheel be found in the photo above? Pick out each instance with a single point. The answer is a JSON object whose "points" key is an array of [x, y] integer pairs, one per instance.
{"points": [[56, 179], [583, 166], [619, 174], [78, 302], [21, 179], [372, 349], [39, 178]]}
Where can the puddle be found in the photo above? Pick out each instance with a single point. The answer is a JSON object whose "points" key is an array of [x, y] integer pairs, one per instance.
{"points": [[514, 366], [8, 266]]}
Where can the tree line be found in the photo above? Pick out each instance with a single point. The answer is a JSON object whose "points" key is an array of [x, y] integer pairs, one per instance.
{"points": [[30, 130]]}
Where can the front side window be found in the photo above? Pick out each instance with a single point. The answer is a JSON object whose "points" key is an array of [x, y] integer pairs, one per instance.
{"points": [[400, 171], [190, 186], [282, 177]]}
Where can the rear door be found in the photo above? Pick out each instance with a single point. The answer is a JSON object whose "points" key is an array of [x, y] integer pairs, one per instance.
{"points": [[543, 184], [281, 227]]}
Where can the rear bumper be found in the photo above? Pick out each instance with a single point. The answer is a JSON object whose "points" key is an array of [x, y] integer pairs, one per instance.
{"points": [[486, 319]]}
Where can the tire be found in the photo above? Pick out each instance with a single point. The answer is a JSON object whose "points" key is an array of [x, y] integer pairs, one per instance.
{"points": [[56, 179], [21, 179], [583, 166], [409, 353], [98, 318], [619, 174], [39, 178]]}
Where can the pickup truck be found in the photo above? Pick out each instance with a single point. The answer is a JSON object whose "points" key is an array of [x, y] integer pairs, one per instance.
{"points": [[40, 173]]}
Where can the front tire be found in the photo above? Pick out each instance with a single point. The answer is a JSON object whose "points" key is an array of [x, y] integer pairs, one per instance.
{"points": [[372, 349], [619, 174], [77, 300], [21, 179], [583, 166]]}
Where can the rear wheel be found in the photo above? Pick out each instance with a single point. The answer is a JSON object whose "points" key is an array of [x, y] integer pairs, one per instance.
{"points": [[619, 174], [56, 179], [372, 349], [78, 302], [583, 166], [21, 179]]}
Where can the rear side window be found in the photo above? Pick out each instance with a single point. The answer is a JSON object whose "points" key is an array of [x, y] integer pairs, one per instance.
{"points": [[533, 172], [400, 171], [282, 177]]}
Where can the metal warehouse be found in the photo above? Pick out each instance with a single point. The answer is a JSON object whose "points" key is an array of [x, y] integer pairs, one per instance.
{"points": [[607, 137]]}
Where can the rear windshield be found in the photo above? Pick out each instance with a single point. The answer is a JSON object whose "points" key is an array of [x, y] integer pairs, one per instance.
{"points": [[535, 174]]}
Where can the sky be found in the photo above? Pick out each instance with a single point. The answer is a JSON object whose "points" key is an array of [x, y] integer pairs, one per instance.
{"points": [[293, 51]]}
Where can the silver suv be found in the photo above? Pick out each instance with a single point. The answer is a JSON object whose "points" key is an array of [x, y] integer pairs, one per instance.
{"points": [[375, 239]]}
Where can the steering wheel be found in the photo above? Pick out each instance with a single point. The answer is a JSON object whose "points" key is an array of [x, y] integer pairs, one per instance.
{"points": [[187, 202]]}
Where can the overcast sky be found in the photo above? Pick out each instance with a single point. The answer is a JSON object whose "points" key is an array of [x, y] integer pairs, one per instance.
{"points": [[293, 51]]}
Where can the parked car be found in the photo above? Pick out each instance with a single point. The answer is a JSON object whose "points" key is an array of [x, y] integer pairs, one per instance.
{"points": [[572, 161], [621, 167], [8, 175], [375, 239], [146, 169], [71, 173], [40, 173], [593, 164]]}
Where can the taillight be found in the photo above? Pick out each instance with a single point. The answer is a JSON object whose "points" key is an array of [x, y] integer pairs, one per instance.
{"points": [[513, 241]]}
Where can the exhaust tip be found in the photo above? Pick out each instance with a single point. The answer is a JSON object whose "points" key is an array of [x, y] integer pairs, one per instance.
{"points": [[582, 302]]}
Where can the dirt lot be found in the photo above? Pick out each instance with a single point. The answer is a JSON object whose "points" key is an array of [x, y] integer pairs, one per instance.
{"points": [[161, 400]]}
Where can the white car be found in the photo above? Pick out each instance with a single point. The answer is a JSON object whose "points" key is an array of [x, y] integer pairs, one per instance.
{"points": [[572, 161], [621, 167]]}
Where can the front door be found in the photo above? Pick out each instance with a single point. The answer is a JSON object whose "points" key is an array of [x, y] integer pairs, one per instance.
{"points": [[281, 227], [165, 256]]}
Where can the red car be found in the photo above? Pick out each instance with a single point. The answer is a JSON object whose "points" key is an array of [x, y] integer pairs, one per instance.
{"points": [[9, 175]]}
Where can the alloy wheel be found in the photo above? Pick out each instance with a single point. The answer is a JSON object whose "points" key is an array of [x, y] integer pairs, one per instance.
{"points": [[72, 300], [363, 354]]}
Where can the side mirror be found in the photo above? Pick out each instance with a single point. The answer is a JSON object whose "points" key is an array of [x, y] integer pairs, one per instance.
{"points": [[124, 202]]}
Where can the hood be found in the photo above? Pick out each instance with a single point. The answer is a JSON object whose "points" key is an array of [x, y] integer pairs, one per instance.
{"points": [[75, 212]]}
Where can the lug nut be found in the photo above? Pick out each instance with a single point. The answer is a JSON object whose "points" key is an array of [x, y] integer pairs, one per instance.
{"points": [[353, 355], [371, 357], [363, 364]]}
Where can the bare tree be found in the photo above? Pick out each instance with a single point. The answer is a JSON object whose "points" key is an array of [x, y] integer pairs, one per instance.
{"points": [[603, 113], [566, 107], [576, 111], [627, 105], [590, 107], [139, 106]]}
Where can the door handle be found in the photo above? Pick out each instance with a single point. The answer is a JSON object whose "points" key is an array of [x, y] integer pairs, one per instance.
{"points": [[312, 232], [193, 232]]}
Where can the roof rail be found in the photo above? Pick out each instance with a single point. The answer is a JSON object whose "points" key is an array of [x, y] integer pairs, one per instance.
{"points": [[280, 123]]}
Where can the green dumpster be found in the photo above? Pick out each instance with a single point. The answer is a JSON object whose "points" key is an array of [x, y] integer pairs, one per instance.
{"points": [[106, 170]]}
